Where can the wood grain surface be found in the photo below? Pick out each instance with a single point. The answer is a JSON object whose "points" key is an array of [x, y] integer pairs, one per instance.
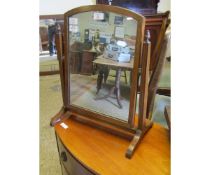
{"points": [[105, 153]]}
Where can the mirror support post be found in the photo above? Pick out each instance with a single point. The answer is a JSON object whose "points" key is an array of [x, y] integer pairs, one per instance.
{"points": [[143, 124], [59, 47]]}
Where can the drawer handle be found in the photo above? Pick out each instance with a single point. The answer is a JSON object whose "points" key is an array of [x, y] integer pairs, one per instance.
{"points": [[63, 156]]}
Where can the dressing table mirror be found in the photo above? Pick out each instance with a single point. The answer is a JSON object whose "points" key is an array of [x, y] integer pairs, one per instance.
{"points": [[99, 67]]}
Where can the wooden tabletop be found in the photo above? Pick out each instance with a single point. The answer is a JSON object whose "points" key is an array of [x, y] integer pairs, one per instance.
{"points": [[105, 153], [92, 51], [108, 62]]}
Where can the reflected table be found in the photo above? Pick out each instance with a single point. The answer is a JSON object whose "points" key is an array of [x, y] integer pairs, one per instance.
{"points": [[103, 63]]}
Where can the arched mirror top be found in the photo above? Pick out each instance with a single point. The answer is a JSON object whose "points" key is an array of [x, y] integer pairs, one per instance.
{"points": [[103, 48], [106, 8]]}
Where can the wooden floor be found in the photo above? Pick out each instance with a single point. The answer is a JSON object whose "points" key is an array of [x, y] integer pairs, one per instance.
{"points": [[105, 153]]}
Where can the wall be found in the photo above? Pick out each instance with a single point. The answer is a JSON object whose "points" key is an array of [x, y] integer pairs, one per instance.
{"points": [[47, 7], [86, 21], [164, 5]]}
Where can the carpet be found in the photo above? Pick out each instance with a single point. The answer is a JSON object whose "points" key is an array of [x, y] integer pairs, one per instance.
{"points": [[49, 65], [83, 94], [50, 104]]}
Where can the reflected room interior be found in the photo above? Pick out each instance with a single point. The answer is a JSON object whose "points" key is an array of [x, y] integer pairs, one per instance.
{"points": [[101, 55]]}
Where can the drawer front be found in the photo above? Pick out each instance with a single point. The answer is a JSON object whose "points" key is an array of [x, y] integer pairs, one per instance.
{"points": [[71, 165]]}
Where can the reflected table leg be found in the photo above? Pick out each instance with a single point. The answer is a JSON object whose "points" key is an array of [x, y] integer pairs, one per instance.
{"points": [[99, 79], [114, 90], [117, 86]]}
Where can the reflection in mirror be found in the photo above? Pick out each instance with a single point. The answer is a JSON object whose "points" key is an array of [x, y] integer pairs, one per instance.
{"points": [[47, 50], [101, 56], [47, 29]]}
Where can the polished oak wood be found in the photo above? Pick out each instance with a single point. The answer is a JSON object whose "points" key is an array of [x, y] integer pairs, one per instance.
{"points": [[60, 56], [102, 153], [143, 124], [70, 165], [157, 25], [155, 77]]}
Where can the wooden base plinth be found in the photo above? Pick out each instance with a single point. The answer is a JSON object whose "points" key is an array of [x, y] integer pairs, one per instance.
{"points": [[61, 115], [126, 133], [131, 134], [136, 140]]}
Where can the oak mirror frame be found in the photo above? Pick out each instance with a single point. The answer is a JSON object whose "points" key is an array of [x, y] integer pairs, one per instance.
{"points": [[135, 126], [129, 124]]}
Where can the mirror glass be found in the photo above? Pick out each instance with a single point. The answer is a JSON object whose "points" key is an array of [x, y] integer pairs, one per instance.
{"points": [[101, 49]]}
